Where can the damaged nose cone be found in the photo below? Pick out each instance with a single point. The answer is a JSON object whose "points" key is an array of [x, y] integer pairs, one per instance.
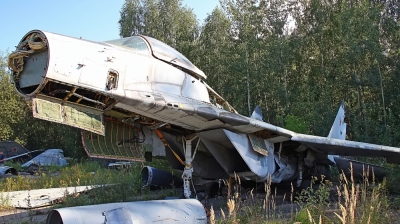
{"points": [[161, 211], [29, 62]]}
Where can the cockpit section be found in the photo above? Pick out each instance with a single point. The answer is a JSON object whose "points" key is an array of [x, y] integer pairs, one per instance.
{"points": [[160, 50], [135, 42]]}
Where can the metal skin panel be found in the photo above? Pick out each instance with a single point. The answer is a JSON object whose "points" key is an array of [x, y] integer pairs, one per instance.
{"points": [[194, 89], [259, 164], [47, 110], [287, 169], [11, 149], [54, 110], [67, 65], [154, 142], [63, 50], [160, 211], [42, 197], [34, 64], [7, 169], [139, 70], [166, 88], [93, 74], [164, 73], [50, 157], [223, 151]]}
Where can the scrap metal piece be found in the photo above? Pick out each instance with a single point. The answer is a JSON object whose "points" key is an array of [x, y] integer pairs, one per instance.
{"points": [[158, 211], [11, 148], [7, 169], [120, 165], [42, 197], [51, 157]]}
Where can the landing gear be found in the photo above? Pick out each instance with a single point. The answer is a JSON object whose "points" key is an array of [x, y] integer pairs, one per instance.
{"points": [[188, 170], [300, 165]]}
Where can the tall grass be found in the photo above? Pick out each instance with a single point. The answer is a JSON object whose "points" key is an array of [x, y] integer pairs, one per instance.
{"points": [[354, 202], [363, 203], [121, 185], [350, 202]]}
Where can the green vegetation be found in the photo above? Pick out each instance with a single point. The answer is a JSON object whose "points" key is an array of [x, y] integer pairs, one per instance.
{"points": [[122, 185], [347, 202]]}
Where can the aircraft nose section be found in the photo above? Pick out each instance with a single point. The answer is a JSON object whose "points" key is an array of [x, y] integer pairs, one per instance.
{"points": [[29, 62]]}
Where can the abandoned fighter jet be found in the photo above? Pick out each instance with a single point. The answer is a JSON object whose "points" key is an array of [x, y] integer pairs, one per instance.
{"points": [[137, 94]]}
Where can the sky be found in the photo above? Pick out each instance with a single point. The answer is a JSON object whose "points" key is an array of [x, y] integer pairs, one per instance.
{"points": [[95, 20]]}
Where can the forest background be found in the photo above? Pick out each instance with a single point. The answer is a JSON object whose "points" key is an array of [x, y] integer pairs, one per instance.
{"points": [[297, 60]]}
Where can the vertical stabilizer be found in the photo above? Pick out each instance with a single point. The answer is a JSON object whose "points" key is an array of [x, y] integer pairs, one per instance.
{"points": [[257, 114], [338, 130]]}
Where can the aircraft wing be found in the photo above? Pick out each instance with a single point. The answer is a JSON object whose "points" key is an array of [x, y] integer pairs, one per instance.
{"points": [[334, 144], [326, 145], [347, 148]]}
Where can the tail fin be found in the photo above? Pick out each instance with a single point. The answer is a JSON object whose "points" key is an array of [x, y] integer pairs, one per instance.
{"points": [[257, 114], [338, 130]]}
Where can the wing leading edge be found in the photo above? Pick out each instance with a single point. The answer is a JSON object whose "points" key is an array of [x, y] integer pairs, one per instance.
{"points": [[347, 148]]}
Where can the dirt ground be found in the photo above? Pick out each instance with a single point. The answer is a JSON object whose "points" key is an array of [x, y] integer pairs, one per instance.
{"points": [[34, 216], [281, 199], [24, 216]]}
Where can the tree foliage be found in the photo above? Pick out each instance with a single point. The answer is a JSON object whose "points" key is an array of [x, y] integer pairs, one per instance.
{"points": [[165, 20], [332, 50], [298, 58], [18, 124]]}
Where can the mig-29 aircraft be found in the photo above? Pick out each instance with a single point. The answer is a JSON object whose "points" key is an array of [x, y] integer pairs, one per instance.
{"points": [[138, 94]]}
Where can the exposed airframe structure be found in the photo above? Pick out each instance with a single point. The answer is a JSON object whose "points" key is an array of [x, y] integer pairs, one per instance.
{"points": [[138, 94]]}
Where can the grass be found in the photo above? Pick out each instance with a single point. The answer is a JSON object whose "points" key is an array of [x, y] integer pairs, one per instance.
{"points": [[347, 202], [124, 185]]}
